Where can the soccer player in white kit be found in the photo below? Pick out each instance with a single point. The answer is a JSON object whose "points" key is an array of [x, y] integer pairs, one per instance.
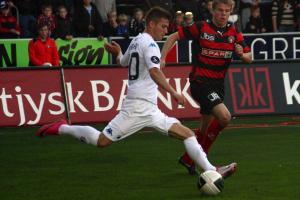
{"points": [[139, 108]]}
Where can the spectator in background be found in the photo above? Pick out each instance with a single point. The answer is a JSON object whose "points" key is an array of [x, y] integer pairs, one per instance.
{"points": [[63, 27], [178, 22], [297, 12], [87, 20], [207, 13], [27, 11], [245, 10], [189, 6], [110, 27], [166, 4], [123, 29], [55, 4], [9, 28], [283, 15], [42, 50], [255, 24], [104, 7], [137, 23], [235, 17], [48, 18], [188, 19]]}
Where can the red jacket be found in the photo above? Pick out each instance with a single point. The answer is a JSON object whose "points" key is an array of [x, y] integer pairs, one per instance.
{"points": [[42, 52]]}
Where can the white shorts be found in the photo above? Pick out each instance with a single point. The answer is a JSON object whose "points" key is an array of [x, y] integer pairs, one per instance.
{"points": [[135, 115]]}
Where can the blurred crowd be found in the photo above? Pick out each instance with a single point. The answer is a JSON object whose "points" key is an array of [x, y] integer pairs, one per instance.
{"points": [[104, 18]]}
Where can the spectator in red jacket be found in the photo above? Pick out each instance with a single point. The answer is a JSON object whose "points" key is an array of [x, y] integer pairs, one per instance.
{"points": [[43, 50], [9, 28]]}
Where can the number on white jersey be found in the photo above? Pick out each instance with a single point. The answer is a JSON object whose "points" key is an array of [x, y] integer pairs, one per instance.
{"points": [[134, 66]]}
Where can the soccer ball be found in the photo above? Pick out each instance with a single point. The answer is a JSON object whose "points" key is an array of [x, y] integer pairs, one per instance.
{"points": [[210, 183]]}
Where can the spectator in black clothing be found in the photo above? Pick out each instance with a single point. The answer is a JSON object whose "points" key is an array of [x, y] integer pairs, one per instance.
{"points": [[87, 20], [27, 17], [189, 6], [255, 24], [207, 12], [137, 23], [63, 27], [110, 27]]}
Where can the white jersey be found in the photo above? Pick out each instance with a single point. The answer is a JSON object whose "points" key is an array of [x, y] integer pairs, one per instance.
{"points": [[142, 54]]}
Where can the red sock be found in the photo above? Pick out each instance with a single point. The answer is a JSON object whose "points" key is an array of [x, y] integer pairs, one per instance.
{"points": [[200, 138], [211, 135]]}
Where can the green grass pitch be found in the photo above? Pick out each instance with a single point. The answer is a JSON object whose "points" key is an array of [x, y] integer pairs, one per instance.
{"points": [[144, 166]]}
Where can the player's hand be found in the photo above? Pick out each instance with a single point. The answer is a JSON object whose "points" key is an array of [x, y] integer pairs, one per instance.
{"points": [[113, 48], [47, 64], [179, 98], [239, 50]]}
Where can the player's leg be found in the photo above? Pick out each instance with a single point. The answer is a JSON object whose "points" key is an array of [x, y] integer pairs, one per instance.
{"points": [[174, 128], [185, 159], [193, 148], [221, 119], [85, 134], [196, 152], [201, 94]]}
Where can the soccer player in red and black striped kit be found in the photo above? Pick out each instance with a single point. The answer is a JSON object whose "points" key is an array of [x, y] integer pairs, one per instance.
{"points": [[214, 43]]}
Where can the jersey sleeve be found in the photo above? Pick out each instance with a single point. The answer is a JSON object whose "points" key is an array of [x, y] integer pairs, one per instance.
{"points": [[190, 32], [125, 59], [152, 55], [240, 40]]}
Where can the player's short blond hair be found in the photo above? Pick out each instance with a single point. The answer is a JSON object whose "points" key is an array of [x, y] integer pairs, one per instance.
{"points": [[227, 2]]}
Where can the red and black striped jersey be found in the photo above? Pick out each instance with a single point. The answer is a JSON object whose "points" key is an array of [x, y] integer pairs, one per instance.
{"points": [[212, 48]]}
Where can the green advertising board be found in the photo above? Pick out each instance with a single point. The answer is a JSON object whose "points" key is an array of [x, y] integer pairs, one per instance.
{"points": [[79, 51]]}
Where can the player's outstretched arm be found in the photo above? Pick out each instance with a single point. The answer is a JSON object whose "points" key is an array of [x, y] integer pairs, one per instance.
{"points": [[167, 46], [159, 78]]}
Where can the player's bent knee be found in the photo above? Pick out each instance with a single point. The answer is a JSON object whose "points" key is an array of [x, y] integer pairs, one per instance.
{"points": [[181, 132], [186, 132], [225, 120]]}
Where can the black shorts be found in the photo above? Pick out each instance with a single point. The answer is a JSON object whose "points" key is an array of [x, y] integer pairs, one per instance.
{"points": [[208, 95]]}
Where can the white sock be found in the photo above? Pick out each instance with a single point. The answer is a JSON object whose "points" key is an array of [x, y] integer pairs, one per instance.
{"points": [[85, 134], [197, 154]]}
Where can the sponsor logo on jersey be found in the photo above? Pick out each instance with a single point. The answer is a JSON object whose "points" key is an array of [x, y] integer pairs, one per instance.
{"points": [[207, 36], [213, 96], [152, 45], [216, 53], [155, 59]]}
